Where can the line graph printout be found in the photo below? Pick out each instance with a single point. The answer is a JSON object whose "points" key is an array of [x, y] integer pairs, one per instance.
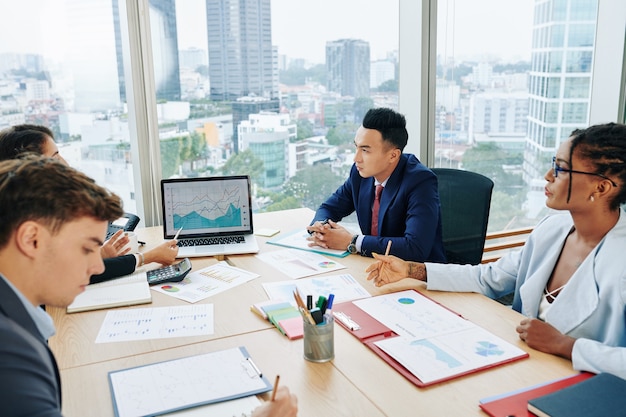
{"points": [[181, 383], [434, 343], [207, 205]]}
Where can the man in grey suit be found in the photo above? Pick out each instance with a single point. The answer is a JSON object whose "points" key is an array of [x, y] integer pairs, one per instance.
{"points": [[53, 221]]}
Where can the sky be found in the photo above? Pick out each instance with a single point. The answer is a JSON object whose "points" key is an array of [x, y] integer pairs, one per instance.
{"points": [[300, 28]]}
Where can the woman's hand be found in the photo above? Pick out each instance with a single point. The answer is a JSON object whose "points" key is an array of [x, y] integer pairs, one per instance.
{"points": [[115, 245], [165, 253], [545, 338], [387, 269]]}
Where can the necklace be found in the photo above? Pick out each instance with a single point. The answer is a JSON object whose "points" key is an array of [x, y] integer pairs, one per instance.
{"points": [[551, 295]]}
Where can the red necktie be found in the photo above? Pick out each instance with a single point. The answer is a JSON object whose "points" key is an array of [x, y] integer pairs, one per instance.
{"points": [[375, 208]]}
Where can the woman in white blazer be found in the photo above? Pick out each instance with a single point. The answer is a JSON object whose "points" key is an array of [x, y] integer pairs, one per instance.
{"points": [[569, 279]]}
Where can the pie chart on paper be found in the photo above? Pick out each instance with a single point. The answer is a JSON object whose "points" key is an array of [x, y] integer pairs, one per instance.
{"points": [[327, 264]]}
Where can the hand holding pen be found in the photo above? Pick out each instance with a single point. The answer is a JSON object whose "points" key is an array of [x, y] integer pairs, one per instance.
{"points": [[282, 403]]}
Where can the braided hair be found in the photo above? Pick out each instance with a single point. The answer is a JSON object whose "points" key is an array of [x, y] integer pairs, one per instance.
{"points": [[604, 146]]}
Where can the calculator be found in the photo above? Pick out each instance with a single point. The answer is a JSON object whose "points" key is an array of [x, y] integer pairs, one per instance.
{"points": [[171, 273]]}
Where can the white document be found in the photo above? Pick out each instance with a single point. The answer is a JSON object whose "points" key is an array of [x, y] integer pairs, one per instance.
{"points": [[344, 287], [206, 282], [124, 291], [187, 382], [434, 343], [298, 264], [241, 407], [156, 323]]}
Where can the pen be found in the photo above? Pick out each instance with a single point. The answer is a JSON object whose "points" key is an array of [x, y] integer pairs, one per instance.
{"points": [[275, 387], [256, 369], [388, 248], [303, 310], [382, 266], [325, 221], [177, 233]]}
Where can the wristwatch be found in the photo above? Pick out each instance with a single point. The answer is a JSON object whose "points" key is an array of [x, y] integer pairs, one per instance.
{"points": [[352, 245]]}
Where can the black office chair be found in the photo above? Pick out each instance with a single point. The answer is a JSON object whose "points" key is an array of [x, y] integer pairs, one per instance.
{"points": [[465, 200]]}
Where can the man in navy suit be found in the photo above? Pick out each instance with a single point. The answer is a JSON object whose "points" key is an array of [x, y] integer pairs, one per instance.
{"points": [[409, 214]]}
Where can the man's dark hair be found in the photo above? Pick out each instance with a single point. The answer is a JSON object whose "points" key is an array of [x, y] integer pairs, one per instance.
{"points": [[390, 124], [46, 190]]}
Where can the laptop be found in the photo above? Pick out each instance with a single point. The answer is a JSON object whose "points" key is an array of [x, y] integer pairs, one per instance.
{"points": [[213, 214]]}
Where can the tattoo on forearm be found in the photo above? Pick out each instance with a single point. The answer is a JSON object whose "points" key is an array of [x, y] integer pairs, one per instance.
{"points": [[417, 271]]}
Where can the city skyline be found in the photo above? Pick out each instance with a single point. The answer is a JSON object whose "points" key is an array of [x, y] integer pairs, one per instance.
{"points": [[42, 27]]}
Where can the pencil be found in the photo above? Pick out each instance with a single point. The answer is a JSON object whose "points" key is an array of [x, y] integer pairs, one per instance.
{"points": [[177, 233], [275, 387], [382, 266]]}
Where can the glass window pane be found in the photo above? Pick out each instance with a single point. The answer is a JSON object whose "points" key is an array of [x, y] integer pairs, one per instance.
{"points": [[61, 66], [269, 95], [520, 57]]}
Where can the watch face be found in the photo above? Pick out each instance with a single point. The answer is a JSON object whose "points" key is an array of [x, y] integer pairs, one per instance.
{"points": [[352, 248]]}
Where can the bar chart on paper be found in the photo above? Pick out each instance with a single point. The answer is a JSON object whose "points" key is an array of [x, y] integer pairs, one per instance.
{"points": [[206, 282]]}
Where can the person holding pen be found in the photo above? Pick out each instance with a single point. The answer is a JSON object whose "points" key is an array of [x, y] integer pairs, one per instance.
{"points": [[21, 139], [282, 403], [569, 279], [53, 221], [393, 194]]}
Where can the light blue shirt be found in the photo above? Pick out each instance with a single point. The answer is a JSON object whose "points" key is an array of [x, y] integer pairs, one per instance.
{"points": [[42, 320]]}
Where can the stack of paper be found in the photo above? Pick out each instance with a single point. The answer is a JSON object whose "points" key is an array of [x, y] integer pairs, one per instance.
{"points": [[283, 315], [125, 291]]}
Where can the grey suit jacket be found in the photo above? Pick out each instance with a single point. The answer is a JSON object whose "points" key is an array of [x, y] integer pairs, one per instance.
{"points": [[29, 377]]}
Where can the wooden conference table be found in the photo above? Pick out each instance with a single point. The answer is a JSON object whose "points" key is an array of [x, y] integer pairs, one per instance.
{"points": [[356, 383]]}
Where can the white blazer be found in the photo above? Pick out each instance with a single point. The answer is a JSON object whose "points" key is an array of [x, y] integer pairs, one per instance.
{"points": [[591, 307]]}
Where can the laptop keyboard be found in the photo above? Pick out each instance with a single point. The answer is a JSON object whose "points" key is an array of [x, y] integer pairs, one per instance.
{"points": [[218, 240]]}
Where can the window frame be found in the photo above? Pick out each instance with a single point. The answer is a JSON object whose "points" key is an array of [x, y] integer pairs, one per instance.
{"points": [[417, 83]]}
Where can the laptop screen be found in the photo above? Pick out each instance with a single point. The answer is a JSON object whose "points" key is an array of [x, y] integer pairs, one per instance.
{"points": [[206, 206]]}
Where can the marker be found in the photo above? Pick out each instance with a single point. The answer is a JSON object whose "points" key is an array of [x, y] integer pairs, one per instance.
{"points": [[331, 298], [177, 233]]}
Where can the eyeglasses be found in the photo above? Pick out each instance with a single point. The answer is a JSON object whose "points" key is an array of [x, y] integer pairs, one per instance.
{"points": [[556, 169]]}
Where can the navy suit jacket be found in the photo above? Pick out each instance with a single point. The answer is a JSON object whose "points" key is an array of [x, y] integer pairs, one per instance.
{"points": [[409, 214], [29, 378]]}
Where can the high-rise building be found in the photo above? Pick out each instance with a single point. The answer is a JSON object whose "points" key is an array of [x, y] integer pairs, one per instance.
{"points": [[164, 49], [267, 135], [244, 107], [560, 77], [348, 67], [242, 61], [193, 58]]}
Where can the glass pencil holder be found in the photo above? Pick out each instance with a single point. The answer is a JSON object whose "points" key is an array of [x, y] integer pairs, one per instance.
{"points": [[319, 340]]}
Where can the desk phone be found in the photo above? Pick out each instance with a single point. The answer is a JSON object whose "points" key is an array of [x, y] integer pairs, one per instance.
{"points": [[171, 273]]}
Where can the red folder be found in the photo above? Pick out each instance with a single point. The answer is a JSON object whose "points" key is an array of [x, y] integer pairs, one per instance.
{"points": [[516, 403], [371, 330]]}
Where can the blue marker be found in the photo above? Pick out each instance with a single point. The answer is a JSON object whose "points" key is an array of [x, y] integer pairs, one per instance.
{"points": [[329, 305]]}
